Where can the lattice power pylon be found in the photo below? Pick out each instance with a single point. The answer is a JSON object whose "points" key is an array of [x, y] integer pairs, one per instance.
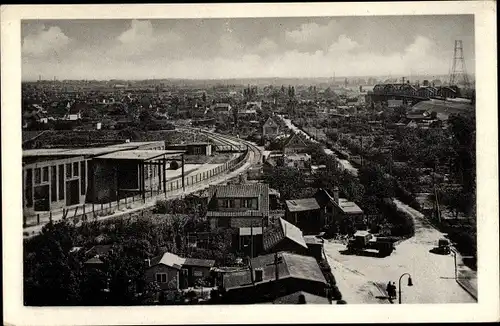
{"points": [[458, 71]]}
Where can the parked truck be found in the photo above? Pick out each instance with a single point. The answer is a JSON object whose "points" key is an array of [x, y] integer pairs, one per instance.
{"points": [[364, 240]]}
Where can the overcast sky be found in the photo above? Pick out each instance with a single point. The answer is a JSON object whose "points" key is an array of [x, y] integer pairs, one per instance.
{"points": [[244, 47]]}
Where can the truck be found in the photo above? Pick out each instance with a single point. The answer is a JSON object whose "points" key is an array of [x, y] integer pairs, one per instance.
{"points": [[364, 240]]}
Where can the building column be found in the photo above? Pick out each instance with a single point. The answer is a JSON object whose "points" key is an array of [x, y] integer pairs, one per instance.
{"points": [[50, 187]]}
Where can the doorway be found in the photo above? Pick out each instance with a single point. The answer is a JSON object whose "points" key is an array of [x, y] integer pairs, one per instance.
{"points": [[72, 193]]}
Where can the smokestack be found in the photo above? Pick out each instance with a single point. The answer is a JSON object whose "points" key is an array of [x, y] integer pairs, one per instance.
{"points": [[336, 194]]}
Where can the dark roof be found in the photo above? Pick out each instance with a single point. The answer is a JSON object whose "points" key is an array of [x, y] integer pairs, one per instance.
{"points": [[199, 262], [100, 250], [284, 230], [289, 266], [270, 123], [296, 140], [294, 299], [303, 204], [77, 107]]}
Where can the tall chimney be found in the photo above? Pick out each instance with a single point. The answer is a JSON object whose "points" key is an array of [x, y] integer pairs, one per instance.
{"points": [[336, 194]]}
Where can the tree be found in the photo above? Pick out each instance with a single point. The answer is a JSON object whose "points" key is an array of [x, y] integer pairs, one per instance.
{"points": [[286, 180], [375, 181], [50, 268]]}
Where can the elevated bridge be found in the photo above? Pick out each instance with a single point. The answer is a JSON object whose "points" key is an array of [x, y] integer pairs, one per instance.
{"points": [[410, 93]]}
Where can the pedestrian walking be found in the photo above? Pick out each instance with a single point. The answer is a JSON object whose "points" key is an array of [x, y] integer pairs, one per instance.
{"points": [[389, 289]]}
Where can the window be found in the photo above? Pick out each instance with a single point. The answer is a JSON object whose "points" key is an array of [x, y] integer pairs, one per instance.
{"points": [[226, 203], [83, 183], [45, 174], [198, 273], [161, 277], [38, 176], [68, 170], [61, 182], [247, 203], [75, 169], [53, 183], [29, 188]]}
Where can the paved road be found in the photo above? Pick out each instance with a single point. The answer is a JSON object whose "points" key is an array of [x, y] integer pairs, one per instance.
{"points": [[362, 279]]}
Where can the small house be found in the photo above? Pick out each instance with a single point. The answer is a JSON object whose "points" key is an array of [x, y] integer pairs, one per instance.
{"points": [[272, 276], [284, 236], [270, 129], [295, 144]]}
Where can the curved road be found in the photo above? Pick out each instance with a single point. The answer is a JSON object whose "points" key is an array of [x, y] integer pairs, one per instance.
{"points": [[363, 279]]}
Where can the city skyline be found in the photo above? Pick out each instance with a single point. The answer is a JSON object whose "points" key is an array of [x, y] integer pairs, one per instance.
{"points": [[312, 47]]}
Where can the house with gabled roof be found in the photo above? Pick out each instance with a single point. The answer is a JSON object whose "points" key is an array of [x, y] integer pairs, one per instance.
{"points": [[270, 129], [238, 205], [173, 272], [284, 236], [269, 277], [295, 144]]}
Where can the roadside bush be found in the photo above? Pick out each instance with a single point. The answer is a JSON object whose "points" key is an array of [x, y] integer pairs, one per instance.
{"points": [[406, 197], [402, 223]]}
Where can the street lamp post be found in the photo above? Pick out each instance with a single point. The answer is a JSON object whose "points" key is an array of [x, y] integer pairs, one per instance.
{"points": [[410, 283]]}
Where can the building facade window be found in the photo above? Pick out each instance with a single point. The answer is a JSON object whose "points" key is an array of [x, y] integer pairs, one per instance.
{"points": [[38, 176], [53, 183], [161, 277], [61, 181], [29, 188], [45, 174], [83, 183], [75, 169], [69, 172]]}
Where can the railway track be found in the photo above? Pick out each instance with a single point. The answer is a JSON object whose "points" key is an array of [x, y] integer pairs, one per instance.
{"points": [[226, 140]]}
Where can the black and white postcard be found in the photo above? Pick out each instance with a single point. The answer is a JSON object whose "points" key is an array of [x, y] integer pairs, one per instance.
{"points": [[234, 157]]}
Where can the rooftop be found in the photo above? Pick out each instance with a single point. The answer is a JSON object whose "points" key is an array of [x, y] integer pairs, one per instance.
{"points": [[137, 143], [240, 191], [289, 265], [349, 207], [294, 299], [199, 262], [140, 155], [284, 230], [299, 205], [169, 259]]}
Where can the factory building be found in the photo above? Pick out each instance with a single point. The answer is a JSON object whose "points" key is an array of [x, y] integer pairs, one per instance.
{"points": [[59, 178]]}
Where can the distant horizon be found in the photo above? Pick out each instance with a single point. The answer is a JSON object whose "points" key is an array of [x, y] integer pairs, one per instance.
{"points": [[236, 48], [337, 78]]}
